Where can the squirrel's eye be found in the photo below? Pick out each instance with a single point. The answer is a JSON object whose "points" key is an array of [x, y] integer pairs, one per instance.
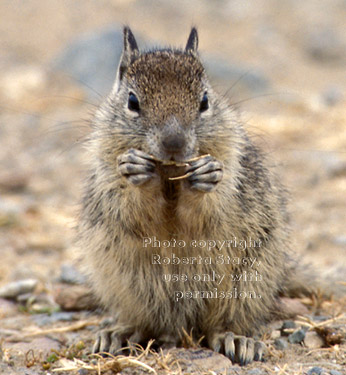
{"points": [[133, 103], [204, 103]]}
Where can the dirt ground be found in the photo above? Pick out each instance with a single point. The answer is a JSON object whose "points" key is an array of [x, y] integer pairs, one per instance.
{"points": [[298, 118]]}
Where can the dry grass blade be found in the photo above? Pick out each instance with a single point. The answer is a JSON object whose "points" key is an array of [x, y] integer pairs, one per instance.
{"points": [[188, 340], [176, 164], [115, 364], [146, 351], [196, 158], [183, 163], [186, 175], [312, 325], [73, 327]]}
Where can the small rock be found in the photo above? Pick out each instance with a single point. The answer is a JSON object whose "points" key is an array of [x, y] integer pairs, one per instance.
{"points": [[292, 307], [335, 372], [101, 49], [7, 308], [23, 298], [41, 344], [47, 319], [340, 240], [332, 95], [227, 73], [75, 298], [280, 344], [23, 271], [313, 341], [255, 371], [15, 288], [297, 336], [14, 181], [10, 207], [319, 318], [20, 80], [325, 46], [39, 304], [276, 325], [287, 327], [288, 324], [275, 334], [200, 360], [315, 371], [69, 275]]}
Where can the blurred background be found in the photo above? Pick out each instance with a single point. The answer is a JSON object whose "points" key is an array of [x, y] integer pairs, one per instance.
{"points": [[282, 63]]}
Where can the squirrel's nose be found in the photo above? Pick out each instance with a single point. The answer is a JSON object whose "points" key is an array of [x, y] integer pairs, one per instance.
{"points": [[174, 143]]}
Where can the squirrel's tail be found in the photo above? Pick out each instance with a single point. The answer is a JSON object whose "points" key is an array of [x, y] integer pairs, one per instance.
{"points": [[307, 280]]}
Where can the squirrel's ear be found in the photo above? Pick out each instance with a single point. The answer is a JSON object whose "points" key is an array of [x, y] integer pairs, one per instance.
{"points": [[192, 42], [130, 44], [130, 51]]}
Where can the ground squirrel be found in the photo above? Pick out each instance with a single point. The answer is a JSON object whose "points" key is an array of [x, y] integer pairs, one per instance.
{"points": [[182, 224]]}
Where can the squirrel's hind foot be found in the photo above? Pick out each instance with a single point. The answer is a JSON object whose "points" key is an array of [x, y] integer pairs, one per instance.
{"points": [[115, 342], [239, 349]]}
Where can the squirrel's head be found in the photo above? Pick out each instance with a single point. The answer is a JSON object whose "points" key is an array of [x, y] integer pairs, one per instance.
{"points": [[162, 98]]}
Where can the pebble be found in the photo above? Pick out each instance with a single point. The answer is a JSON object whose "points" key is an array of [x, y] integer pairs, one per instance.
{"points": [[15, 288], [92, 59], [340, 240], [245, 79], [335, 372], [276, 325], [41, 344], [313, 340], [316, 371], [319, 318], [24, 271], [7, 308], [70, 275], [280, 344], [75, 298], [325, 46], [23, 298], [275, 334], [297, 336], [255, 371], [287, 327], [19, 81], [293, 306], [288, 324], [200, 360], [330, 164], [47, 319], [14, 181], [332, 95], [10, 207]]}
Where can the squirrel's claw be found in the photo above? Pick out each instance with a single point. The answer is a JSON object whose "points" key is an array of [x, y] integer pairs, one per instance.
{"points": [[206, 173], [136, 166], [239, 349]]}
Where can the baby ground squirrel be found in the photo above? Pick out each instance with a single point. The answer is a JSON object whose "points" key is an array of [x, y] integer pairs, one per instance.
{"points": [[171, 166]]}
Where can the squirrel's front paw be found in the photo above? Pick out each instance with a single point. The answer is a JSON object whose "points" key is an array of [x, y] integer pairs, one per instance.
{"points": [[206, 173], [137, 166]]}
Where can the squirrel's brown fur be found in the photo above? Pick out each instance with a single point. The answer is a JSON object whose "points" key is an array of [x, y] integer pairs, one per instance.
{"points": [[247, 202]]}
